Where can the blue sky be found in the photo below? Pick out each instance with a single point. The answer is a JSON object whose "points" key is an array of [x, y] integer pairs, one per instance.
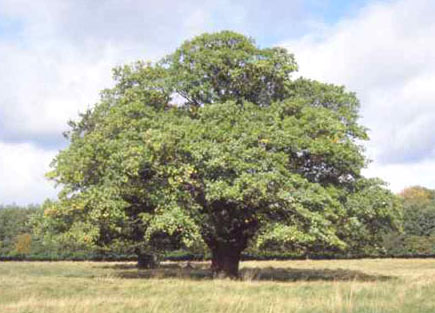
{"points": [[57, 54], [9, 28]]}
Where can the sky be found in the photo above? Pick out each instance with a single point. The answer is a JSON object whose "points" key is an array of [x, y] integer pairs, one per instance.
{"points": [[56, 55]]}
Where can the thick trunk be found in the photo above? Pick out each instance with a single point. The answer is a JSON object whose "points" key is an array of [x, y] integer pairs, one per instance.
{"points": [[225, 262], [146, 260]]}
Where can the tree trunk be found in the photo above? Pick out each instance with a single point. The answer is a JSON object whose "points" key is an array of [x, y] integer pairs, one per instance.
{"points": [[146, 260], [225, 262]]}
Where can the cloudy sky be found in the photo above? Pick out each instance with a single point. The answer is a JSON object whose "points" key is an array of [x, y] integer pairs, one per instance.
{"points": [[56, 55]]}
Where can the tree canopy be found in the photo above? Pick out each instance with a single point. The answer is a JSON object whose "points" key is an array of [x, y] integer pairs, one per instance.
{"points": [[217, 144]]}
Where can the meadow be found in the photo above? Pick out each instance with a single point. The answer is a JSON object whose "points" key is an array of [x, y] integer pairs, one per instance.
{"points": [[375, 285]]}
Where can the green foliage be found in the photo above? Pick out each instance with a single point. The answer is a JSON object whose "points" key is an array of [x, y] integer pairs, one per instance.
{"points": [[14, 222], [419, 211], [216, 144], [60, 236], [418, 236], [373, 211], [227, 66]]}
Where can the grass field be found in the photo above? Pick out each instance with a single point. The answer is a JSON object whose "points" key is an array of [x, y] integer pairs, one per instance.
{"points": [[272, 286]]}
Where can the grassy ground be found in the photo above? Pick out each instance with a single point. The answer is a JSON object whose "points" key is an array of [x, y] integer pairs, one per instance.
{"points": [[285, 286]]}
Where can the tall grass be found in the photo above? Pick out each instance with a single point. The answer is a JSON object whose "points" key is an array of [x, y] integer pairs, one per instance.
{"points": [[357, 286]]}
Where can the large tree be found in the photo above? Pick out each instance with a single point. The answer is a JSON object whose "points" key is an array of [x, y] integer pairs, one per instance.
{"points": [[217, 143]]}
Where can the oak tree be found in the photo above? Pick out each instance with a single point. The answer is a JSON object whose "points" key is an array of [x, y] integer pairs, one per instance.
{"points": [[217, 143]]}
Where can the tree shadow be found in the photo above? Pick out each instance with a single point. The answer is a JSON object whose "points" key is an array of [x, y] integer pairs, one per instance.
{"points": [[304, 274], [201, 271]]}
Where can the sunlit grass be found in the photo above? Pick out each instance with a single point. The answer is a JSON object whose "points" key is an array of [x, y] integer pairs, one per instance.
{"points": [[273, 286]]}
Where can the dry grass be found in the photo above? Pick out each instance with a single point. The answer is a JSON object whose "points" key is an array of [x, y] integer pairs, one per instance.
{"points": [[274, 286]]}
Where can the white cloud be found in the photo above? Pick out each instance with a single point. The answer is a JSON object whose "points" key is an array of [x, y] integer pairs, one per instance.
{"points": [[60, 54], [42, 89], [386, 53], [400, 176], [63, 54], [22, 170]]}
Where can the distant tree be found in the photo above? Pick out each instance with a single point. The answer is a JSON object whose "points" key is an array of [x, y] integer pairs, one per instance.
{"points": [[14, 221], [418, 224], [417, 194], [418, 211], [217, 144]]}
